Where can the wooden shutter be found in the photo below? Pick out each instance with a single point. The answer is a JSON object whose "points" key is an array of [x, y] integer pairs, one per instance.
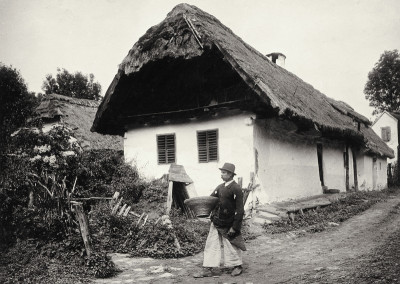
{"points": [[166, 148], [385, 133], [207, 144]]}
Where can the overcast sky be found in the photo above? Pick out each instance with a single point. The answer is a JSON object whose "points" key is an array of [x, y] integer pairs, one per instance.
{"points": [[330, 44]]}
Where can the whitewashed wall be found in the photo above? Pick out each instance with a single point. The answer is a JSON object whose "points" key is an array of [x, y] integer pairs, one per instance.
{"points": [[287, 169], [369, 170], [384, 121], [235, 145]]}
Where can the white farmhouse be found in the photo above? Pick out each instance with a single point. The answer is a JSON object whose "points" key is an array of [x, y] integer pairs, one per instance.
{"points": [[193, 93], [387, 127]]}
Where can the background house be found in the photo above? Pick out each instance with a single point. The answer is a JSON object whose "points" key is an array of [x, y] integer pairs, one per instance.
{"points": [[78, 115], [193, 93], [386, 126]]}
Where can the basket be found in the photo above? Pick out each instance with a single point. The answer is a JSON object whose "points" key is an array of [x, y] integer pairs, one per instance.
{"points": [[202, 205]]}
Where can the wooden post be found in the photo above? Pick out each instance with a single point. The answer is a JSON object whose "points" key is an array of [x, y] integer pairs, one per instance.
{"points": [[253, 198], [346, 165], [240, 182], [169, 198], [30, 204], [84, 226], [355, 169]]}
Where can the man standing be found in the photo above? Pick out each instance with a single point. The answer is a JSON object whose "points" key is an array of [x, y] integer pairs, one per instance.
{"points": [[225, 243]]}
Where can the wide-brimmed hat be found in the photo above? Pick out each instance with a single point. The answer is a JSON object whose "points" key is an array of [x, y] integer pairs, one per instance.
{"points": [[228, 167]]}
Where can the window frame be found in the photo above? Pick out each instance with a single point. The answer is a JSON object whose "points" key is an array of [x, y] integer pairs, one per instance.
{"points": [[165, 149], [200, 152]]}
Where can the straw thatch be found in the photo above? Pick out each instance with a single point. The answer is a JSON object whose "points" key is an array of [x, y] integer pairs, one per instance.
{"points": [[78, 115], [191, 59]]}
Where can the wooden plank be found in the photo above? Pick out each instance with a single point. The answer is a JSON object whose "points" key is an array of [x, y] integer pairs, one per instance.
{"points": [[169, 197], [127, 211], [145, 220], [309, 204], [92, 198], [84, 227], [121, 211], [134, 214], [114, 199], [114, 210], [140, 218]]}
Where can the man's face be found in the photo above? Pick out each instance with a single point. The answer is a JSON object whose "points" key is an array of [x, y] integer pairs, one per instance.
{"points": [[226, 176]]}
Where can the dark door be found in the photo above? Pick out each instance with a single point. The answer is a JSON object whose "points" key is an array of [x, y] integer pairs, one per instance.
{"points": [[320, 167]]}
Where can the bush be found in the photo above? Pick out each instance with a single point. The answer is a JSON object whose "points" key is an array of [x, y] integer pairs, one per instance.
{"points": [[103, 172], [100, 265], [120, 234]]}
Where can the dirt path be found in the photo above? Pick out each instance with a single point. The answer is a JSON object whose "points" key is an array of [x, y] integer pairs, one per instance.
{"points": [[278, 259]]}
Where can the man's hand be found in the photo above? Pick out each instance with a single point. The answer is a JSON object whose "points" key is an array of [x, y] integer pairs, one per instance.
{"points": [[231, 232]]}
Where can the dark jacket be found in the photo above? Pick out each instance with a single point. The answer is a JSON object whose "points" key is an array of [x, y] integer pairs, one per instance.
{"points": [[230, 208]]}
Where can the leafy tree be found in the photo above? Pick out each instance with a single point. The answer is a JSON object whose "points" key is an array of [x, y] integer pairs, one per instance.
{"points": [[383, 86], [74, 85], [16, 106], [16, 103]]}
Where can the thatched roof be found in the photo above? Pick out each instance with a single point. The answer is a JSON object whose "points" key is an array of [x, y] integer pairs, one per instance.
{"points": [[78, 115], [178, 62]]}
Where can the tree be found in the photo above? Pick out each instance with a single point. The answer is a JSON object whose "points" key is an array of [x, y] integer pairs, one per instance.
{"points": [[16, 106], [16, 102], [383, 86], [74, 85]]}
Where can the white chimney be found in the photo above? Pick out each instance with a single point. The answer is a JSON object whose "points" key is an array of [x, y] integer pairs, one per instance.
{"points": [[277, 58]]}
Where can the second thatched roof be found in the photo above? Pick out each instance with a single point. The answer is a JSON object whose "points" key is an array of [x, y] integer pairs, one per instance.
{"points": [[78, 115]]}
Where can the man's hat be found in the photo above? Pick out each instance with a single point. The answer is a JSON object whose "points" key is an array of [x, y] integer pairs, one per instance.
{"points": [[228, 167]]}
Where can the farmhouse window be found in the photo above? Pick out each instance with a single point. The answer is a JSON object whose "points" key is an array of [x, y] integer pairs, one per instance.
{"points": [[166, 148], [207, 144], [385, 134]]}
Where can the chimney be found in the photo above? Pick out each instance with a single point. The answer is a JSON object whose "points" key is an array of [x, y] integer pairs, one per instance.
{"points": [[277, 58]]}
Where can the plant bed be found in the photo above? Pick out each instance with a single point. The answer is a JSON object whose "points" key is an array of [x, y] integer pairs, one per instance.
{"points": [[319, 219]]}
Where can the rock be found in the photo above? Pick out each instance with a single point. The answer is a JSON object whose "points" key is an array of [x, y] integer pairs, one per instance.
{"points": [[333, 224], [156, 269], [165, 275]]}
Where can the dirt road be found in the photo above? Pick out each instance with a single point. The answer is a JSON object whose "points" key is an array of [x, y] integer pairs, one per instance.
{"points": [[288, 258]]}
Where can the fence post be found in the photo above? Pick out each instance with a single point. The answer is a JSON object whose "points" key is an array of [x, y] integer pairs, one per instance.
{"points": [[84, 226]]}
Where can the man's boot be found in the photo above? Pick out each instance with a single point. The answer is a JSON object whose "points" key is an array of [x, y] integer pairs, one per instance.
{"points": [[237, 270]]}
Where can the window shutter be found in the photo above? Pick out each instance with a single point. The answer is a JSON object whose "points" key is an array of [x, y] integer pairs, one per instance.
{"points": [[385, 133], [202, 146], [207, 144], [166, 148]]}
